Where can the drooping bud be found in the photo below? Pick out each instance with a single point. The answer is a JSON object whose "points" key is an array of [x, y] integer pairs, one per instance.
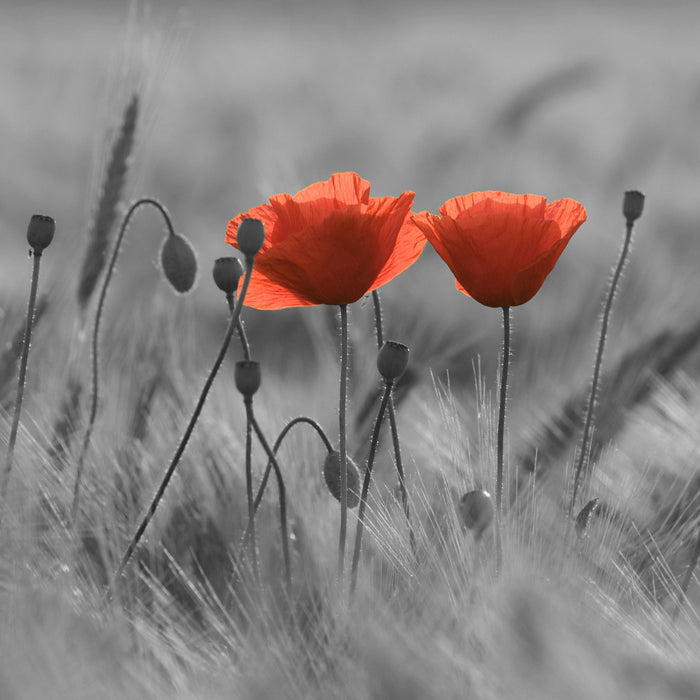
{"points": [[247, 377], [250, 237], [227, 273], [584, 517], [331, 475], [632, 205], [40, 232], [476, 511], [179, 262], [392, 360]]}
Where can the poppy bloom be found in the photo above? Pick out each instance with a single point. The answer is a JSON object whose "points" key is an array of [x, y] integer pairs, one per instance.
{"points": [[330, 243], [501, 246]]}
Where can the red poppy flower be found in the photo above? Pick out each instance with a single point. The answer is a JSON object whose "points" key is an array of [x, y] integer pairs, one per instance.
{"points": [[330, 243], [501, 246]]}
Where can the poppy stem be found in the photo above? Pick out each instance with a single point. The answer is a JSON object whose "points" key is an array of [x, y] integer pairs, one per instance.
{"points": [[94, 395], [379, 326], [190, 426], [22, 374], [505, 362], [342, 407], [249, 485], [583, 454], [231, 301], [366, 482], [282, 498]]}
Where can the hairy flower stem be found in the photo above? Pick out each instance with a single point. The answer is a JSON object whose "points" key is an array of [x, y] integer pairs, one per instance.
{"points": [[282, 497], [505, 362], [342, 407], [379, 327], [94, 395], [22, 375], [231, 300], [592, 396], [366, 482], [248, 400], [190, 426]]}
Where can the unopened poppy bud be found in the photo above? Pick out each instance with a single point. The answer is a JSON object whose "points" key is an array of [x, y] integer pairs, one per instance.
{"points": [[331, 475], [476, 511], [227, 272], [250, 237], [392, 360], [247, 377], [40, 232], [633, 205], [584, 517], [179, 262]]}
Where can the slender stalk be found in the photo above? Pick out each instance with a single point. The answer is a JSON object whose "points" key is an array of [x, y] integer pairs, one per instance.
{"points": [[282, 499], [505, 361], [22, 374], [231, 300], [190, 426], [592, 396], [379, 328], [248, 400], [95, 392], [366, 482], [278, 442], [342, 407]]}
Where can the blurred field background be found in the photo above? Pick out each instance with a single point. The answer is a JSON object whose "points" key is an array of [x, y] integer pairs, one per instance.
{"points": [[241, 100], [568, 99]]}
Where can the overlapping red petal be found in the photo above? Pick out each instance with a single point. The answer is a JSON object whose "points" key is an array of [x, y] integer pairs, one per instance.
{"points": [[501, 246], [331, 243]]}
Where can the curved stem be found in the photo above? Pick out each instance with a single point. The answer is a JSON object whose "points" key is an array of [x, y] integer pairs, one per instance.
{"points": [[249, 485], [505, 361], [282, 498], [342, 407], [94, 396], [22, 374], [190, 426], [378, 324], [366, 482], [592, 396]]}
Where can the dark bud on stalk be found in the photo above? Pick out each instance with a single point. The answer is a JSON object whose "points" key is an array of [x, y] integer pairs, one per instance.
{"points": [[40, 232], [250, 237], [179, 262], [227, 272], [247, 377], [584, 517], [392, 360], [476, 511], [331, 475], [632, 205]]}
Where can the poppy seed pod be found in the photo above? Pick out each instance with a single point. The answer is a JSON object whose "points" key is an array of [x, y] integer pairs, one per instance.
{"points": [[250, 237], [392, 360], [179, 262], [247, 377], [227, 273], [331, 475], [476, 511], [632, 205], [40, 232]]}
